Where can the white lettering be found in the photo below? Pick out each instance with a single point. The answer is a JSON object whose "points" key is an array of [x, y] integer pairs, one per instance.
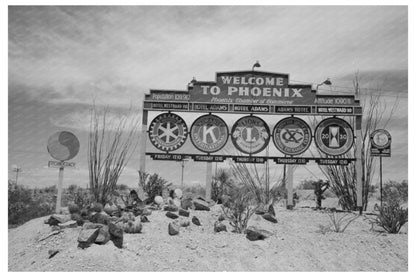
{"points": [[231, 90], [296, 93], [226, 79], [208, 131]]}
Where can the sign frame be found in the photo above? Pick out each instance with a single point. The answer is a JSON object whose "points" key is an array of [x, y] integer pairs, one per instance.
{"points": [[202, 118]]}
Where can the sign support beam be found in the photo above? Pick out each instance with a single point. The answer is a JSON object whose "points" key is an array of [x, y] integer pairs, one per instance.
{"points": [[143, 140], [208, 181], [60, 183], [358, 164], [289, 186]]}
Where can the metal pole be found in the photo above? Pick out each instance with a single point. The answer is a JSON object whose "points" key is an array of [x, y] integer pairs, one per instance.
{"points": [[358, 164], [289, 187], [183, 166], [381, 182], [59, 197], [143, 140], [208, 181]]}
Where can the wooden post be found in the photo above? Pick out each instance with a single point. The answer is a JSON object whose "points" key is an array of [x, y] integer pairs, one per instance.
{"points": [[59, 196], [289, 186], [208, 181], [143, 140], [358, 164]]}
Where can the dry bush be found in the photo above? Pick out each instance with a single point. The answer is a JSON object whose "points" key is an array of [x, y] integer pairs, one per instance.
{"points": [[153, 185], [339, 223], [391, 217], [238, 208]]}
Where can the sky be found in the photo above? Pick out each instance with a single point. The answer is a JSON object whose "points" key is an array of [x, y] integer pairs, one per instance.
{"points": [[62, 59]]}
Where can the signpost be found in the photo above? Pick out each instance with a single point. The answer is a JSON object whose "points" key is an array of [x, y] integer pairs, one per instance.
{"points": [[381, 147], [62, 146], [252, 93]]}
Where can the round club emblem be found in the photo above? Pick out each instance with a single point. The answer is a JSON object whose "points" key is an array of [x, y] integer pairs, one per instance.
{"points": [[334, 136], [209, 133], [168, 132], [63, 146], [250, 134], [380, 138], [292, 136]]}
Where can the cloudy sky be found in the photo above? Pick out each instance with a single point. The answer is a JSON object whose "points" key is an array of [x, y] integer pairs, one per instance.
{"points": [[62, 58]]}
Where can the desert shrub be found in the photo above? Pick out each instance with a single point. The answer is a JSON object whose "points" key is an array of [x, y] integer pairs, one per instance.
{"points": [[338, 222], [391, 216], [78, 196], [73, 208], [238, 207], [97, 207], [153, 185], [194, 190], [220, 183], [395, 191], [24, 206], [307, 184]]}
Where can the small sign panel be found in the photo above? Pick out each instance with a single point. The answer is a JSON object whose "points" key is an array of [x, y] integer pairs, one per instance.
{"points": [[208, 158], [63, 146], [209, 133], [380, 143], [291, 160], [168, 132], [58, 164], [250, 134], [334, 136], [292, 136]]}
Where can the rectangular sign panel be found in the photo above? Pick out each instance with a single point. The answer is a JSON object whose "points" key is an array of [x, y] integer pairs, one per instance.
{"points": [[334, 110], [60, 164], [293, 109], [208, 158], [291, 160], [251, 108], [210, 107], [167, 95], [331, 100], [167, 157], [166, 106], [241, 159], [386, 152], [252, 87], [327, 161]]}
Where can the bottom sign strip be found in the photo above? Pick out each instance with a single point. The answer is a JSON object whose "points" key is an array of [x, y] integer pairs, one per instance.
{"points": [[249, 159]]}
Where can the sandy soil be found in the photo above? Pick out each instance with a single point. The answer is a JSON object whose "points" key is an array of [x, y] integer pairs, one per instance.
{"points": [[295, 246]]}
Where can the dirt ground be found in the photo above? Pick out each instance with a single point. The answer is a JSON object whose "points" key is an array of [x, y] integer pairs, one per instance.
{"points": [[295, 246]]}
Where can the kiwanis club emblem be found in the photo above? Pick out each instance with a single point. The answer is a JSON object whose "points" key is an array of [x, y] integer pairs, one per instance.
{"points": [[209, 133], [168, 132], [292, 136], [250, 134]]}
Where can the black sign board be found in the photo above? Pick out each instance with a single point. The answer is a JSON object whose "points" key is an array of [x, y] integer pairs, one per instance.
{"points": [[167, 106], [243, 159], [380, 143], [208, 158], [252, 108], [334, 110], [210, 107], [291, 160], [168, 157], [328, 161], [293, 109]]}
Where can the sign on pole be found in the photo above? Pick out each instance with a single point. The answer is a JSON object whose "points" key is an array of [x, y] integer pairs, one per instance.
{"points": [[250, 134], [168, 132], [380, 143], [292, 136], [334, 136], [209, 133]]}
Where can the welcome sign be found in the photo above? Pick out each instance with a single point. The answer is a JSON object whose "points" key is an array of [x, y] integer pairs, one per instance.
{"points": [[252, 87]]}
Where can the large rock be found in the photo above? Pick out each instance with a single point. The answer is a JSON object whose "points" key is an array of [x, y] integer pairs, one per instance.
{"points": [[257, 234], [196, 221], [103, 235], [271, 210], [132, 227], [184, 222], [89, 225], [86, 237], [183, 212], [172, 215], [201, 205], [270, 218], [55, 219], [100, 217], [68, 224], [187, 204], [219, 227], [116, 234], [170, 208], [173, 229]]}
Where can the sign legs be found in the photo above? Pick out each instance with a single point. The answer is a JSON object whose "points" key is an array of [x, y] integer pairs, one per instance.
{"points": [[358, 165], [143, 140], [289, 186], [59, 196], [208, 181], [381, 182]]}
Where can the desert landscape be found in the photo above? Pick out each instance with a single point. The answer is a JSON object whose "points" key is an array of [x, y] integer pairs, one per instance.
{"points": [[296, 243]]}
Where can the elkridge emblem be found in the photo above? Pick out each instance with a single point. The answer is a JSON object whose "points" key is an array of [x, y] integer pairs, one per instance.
{"points": [[168, 132], [334, 136], [250, 134], [209, 133], [292, 136]]}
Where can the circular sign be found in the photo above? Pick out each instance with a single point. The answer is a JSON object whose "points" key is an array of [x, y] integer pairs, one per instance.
{"points": [[380, 138], [250, 134], [168, 132], [63, 145], [209, 133], [292, 136], [334, 136]]}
